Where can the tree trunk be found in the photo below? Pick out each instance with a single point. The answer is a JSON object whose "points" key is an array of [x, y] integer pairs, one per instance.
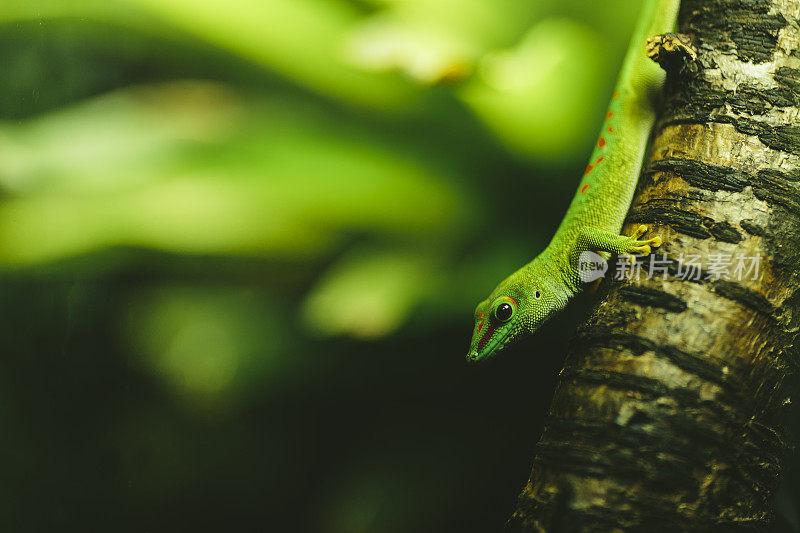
{"points": [[671, 410]]}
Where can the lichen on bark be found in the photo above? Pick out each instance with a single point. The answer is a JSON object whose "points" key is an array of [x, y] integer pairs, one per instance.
{"points": [[671, 410]]}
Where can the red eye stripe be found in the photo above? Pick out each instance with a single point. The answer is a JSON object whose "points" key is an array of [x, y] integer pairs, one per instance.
{"points": [[480, 327], [512, 300], [486, 337]]}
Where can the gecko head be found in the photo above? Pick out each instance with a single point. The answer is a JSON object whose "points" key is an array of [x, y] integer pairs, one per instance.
{"points": [[515, 308]]}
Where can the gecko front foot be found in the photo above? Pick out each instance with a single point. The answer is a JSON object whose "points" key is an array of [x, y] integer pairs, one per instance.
{"points": [[604, 241], [640, 247]]}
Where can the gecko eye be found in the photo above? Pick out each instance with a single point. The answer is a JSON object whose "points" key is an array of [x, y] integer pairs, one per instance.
{"points": [[503, 312]]}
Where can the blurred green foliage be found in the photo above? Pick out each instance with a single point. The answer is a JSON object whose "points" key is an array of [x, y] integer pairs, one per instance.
{"points": [[241, 241]]}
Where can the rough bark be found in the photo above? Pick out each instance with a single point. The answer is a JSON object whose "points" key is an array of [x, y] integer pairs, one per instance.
{"points": [[671, 410]]}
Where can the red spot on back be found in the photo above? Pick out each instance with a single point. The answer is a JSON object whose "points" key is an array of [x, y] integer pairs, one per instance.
{"points": [[583, 189], [615, 95], [611, 129], [591, 166], [609, 115], [601, 142]]}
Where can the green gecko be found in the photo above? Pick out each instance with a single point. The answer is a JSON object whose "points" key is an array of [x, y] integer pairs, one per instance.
{"points": [[531, 295]]}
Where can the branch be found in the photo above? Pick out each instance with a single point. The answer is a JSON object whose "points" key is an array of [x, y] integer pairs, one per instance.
{"points": [[671, 410]]}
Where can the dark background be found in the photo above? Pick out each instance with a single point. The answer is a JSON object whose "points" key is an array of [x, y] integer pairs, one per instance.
{"points": [[241, 243]]}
